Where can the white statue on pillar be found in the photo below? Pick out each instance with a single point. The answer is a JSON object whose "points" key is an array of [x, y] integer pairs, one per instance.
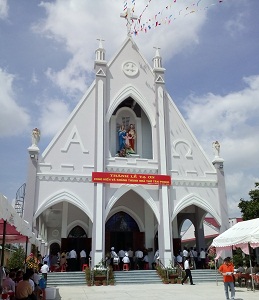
{"points": [[35, 137], [216, 148]]}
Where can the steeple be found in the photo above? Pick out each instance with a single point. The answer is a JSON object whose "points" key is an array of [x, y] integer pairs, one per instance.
{"points": [[100, 52], [157, 60]]}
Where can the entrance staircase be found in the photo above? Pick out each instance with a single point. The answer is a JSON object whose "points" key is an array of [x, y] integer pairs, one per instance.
{"points": [[128, 277], [205, 275], [66, 278]]}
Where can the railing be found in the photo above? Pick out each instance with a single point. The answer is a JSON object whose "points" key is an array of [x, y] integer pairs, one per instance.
{"points": [[180, 269], [164, 268]]}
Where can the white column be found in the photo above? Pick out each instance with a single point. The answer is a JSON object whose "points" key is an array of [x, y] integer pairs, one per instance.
{"points": [[64, 232], [149, 231], [164, 227], [98, 225]]}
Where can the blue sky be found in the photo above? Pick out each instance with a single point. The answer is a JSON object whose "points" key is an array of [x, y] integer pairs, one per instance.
{"points": [[210, 51]]}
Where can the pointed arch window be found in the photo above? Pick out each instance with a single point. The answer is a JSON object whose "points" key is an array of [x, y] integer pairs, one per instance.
{"points": [[77, 232], [121, 221]]}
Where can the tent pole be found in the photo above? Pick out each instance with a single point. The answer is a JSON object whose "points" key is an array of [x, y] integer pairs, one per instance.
{"points": [[26, 249], [3, 243], [252, 279], [216, 270]]}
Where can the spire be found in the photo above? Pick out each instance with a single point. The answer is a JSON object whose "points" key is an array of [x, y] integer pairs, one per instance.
{"points": [[100, 52], [128, 15], [157, 60]]}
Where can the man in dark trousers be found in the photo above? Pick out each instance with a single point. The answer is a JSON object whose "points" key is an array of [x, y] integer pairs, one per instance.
{"points": [[187, 269]]}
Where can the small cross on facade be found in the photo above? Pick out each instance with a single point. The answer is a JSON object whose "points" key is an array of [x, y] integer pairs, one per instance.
{"points": [[128, 15]]}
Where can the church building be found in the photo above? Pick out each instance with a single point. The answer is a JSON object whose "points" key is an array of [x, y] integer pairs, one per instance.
{"points": [[126, 170]]}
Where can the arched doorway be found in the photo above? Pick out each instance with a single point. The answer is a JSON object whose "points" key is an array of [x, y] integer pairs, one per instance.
{"points": [[54, 249], [77, 240], [122, 232]]}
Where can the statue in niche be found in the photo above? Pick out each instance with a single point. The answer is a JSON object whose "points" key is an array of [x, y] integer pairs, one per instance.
{"points": [[132, 136], [122, 137], [216, 148], [128, 148], [35, 137], [125, 141]]}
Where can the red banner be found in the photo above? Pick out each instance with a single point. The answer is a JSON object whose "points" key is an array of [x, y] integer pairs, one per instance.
{"points": [[128, 178]]}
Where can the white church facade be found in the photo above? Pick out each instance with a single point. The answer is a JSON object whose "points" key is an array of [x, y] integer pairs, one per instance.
{"points": [[125, 170]]}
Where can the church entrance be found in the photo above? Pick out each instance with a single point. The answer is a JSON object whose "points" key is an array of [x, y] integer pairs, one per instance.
{"points": [[122, 233], [77, 240]]}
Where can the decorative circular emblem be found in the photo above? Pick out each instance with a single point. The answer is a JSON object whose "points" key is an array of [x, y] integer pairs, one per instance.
{"points": [[55, 233], [130, 68]]}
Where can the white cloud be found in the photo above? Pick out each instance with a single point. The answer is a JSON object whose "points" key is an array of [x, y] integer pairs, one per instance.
{"points": [[238, 186], [77, 25], [4, 8], [34, 78], [236, 25], [53, 115], [233, 121], [13, 118], [232, 116]]}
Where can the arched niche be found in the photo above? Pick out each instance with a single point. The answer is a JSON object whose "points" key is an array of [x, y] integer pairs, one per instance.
{"points": [[130, 112]]}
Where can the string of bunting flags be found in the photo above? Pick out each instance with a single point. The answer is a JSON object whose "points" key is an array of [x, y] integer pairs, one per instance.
{"points": [[164, 16]]}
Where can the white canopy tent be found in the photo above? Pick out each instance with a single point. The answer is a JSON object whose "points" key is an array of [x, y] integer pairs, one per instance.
{"points": [[241, 235]]}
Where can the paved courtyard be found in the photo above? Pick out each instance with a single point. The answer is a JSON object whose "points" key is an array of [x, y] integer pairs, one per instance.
{"points": [[208, 291]]}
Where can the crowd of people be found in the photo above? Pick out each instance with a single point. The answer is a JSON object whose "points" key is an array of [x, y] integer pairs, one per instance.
{"points": [[23, 285], [198, 260], [66, 261], [137, 260]]}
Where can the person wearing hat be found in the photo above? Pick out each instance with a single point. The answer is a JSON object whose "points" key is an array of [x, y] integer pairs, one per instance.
{"points": [[113, 254], [126, 260], [227, 270]]}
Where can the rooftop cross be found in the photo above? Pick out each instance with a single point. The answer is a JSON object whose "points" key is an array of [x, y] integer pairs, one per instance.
{"points": [[100, 42], [128, 15]]}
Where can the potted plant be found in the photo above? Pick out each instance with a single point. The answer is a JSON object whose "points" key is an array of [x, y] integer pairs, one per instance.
{"points": [[111, 281], [179, 280], [100, 271], [97, 282], [104, 282], [89, 283], [87, 274], [166, 281]]}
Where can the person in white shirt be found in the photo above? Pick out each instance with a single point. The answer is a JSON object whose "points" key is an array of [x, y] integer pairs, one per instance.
{"points": [[44, 270], [113, 254], [139, 256], [203, 258], [191, 254], [155, 259], [121, 254], [73, 259], [185, 253], [187, 271], [130, 254], [82, 258], [179, 259], [126, 260], [9, 283]]}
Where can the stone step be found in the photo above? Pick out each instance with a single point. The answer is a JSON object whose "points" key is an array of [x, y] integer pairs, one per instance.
{"points": [[207, 275], [137, 277], [127, 277]]}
